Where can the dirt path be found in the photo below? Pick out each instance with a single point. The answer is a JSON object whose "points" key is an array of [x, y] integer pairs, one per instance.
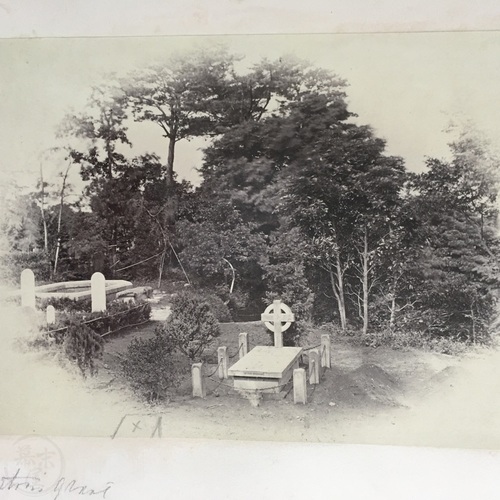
{"points": [[370, 396]]}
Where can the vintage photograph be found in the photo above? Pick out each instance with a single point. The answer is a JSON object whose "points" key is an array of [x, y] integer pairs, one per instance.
{"points": [[287, 238]]}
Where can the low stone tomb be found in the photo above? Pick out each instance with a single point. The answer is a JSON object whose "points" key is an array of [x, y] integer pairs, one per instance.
{"points": [[265, 368]]}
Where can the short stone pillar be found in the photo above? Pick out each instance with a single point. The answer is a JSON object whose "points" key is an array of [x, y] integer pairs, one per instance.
{"points": [[98, 292], [326, 351], [51, 315], [314, 366], [243, 344], [199, 390], [299, 386], [28, 289], [223, 362]]}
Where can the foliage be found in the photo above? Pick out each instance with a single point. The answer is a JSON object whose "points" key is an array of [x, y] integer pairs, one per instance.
{"points": [[65, 304], [191, 325], [150, 367], [217, 306], [83, 345], [118, 315], [297, 201], [13, 263]]}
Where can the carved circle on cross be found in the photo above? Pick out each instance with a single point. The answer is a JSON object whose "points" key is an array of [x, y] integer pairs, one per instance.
{"points": [[271, 315]]}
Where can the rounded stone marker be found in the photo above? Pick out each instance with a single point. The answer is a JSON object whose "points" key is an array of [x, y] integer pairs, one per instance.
{"points": [[51, 315], [28, 289], [98, 292]]}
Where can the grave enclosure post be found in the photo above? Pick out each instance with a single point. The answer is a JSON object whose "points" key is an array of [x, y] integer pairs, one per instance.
{"points": [[326, 350], [313, 366], [243, 344], [223, 362], [199, 390], [299, 386]]}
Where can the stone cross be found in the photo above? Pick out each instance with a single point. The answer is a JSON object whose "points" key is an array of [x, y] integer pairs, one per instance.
{"points": [[28, 289], [273, 316], [98, 292]]}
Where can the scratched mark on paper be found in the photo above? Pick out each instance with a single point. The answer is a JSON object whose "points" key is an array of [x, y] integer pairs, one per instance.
{"points": [[140, 426]]}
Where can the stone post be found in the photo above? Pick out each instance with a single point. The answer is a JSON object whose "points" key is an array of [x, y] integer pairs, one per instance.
{"points": [[199, 390], [243, 344], [299, 386], [223, 362], [98, 292], [51, 315], [313, 366], [326, 351], [28, 289]]}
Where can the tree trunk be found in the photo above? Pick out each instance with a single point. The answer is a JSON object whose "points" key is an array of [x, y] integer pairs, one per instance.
{"points": [[59, 219], [337, 283], [170, 211], [365, 263], [42, 208], [169, 178]]}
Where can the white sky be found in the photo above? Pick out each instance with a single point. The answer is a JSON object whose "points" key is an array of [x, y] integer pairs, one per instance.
{"points": [[407, 86]]}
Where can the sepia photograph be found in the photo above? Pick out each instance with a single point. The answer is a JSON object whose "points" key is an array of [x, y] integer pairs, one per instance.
{"points": [[278, 238]]}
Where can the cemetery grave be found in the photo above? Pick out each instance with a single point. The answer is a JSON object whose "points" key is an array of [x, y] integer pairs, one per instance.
{"points": [[303, 375]]}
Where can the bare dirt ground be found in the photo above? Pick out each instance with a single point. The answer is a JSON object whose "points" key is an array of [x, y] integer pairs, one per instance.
{"points": [[371, 396]]}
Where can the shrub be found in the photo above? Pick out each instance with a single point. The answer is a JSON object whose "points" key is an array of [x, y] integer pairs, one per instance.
{"points": [[65, 304], [84, 346], [191, 325], [149, 366], [117, 316], [217, 307]]}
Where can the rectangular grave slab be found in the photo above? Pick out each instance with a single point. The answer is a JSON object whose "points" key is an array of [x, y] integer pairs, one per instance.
{"points": [[265, 368]]}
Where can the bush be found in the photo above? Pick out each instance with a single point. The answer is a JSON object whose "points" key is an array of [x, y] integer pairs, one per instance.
{"points": [[191, 325], [13, 263], [117, 316], [217, 306], [406, 339], [65, 304], [149, 366], [84, 346]]}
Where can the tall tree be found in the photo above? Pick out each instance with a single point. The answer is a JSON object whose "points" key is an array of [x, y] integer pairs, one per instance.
{"points": [[340, 197]]}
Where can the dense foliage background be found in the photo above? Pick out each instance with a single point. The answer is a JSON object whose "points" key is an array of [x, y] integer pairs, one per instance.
{"points": [[297, 201]]}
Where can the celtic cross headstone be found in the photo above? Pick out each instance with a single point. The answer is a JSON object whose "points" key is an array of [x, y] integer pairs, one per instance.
{"points": [[273, 317]]}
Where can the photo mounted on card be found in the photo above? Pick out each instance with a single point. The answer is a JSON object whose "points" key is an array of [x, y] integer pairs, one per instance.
{"points": [[282, 237]]}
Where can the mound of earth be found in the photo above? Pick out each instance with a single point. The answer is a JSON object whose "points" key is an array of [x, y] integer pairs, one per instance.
{"points": [[368, 384]]}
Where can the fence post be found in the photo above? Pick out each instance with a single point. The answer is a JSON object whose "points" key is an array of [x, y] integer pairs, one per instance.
{"points": [[326, 350], [243, 344], [223, 362], [199, 390], [313, 366], [28, 289], [299, 386]]}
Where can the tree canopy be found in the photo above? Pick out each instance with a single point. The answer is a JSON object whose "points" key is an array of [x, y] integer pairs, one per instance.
{"points": [[297, 200]]}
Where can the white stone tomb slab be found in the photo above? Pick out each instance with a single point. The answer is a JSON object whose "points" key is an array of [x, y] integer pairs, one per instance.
{"points": [[265, 368]]}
